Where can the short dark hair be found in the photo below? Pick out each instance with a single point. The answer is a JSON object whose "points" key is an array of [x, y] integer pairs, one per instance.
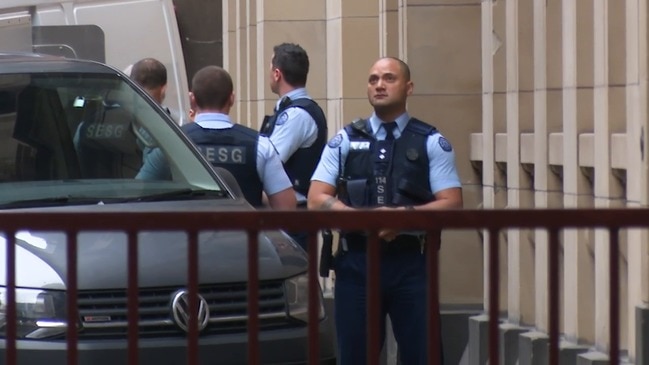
{"points": [[293, 61], [212, 87], [149, 73]]}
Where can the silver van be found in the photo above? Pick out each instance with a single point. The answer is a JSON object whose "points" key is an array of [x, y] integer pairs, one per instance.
{"points": [[72, 135]]}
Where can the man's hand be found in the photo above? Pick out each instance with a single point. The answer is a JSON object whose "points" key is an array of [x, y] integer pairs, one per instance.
{"points": [[388, 235], [323, 196]]}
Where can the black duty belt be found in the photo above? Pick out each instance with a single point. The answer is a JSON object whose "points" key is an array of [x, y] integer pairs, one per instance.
{"points": [[402, 243]]}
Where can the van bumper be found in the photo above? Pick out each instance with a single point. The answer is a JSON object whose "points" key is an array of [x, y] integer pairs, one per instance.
{"points": [[286, 346]]}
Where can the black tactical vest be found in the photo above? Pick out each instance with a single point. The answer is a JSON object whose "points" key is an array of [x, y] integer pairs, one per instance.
{"points": [[388, 173], [234, 149], [301, 165]]}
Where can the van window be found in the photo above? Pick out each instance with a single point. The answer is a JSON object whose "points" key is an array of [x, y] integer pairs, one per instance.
{"points": [[85, 41], [89, 135]]}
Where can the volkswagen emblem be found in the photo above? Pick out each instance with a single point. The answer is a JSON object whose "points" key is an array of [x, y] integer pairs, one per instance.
{"points": [[180, 310]]}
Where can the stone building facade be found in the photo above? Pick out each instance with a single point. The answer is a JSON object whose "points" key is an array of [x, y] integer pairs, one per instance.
{"points": [[545, 102]]}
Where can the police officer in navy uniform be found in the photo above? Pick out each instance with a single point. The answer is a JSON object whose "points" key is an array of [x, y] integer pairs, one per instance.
{"points": [[389, 161], [298, 127], [251, 158]]}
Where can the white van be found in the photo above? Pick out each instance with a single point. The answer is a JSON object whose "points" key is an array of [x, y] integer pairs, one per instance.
{"points": [[115, 32]]}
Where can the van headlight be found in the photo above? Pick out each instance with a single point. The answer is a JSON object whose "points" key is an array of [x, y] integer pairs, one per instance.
{"points": [[297, 298], [39, 313]]}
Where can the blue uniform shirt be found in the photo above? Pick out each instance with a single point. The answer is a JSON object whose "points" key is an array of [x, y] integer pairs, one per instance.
{"points": [[294, 127], [269, 166], [442, 171]]}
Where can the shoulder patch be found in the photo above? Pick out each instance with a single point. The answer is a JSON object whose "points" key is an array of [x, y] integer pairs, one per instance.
{"points": [[445, 144], [335, 141], [282, 118]]}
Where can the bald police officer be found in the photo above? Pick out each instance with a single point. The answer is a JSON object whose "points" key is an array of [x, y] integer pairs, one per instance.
{"points": [[389, 161], [249, 157]]}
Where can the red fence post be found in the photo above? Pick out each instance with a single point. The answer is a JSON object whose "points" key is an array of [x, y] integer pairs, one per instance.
{"points": [[132, 303], [553, 295], [253, 297], [11, 326], [432, 255], [494, 294], [373, 295], [314, 300], [72, 288], [614, 288]]}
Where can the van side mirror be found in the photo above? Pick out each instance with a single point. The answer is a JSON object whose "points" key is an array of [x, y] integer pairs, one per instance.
{"points": [[230, 182]]}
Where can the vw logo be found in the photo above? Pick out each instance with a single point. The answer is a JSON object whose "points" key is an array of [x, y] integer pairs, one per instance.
{"points": [[181, 311]]}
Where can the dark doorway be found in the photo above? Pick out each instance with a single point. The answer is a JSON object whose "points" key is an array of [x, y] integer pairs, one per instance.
{"points": [[200, 23]]}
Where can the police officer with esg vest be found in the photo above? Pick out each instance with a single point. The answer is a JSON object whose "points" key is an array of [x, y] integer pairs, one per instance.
{"points": [[389, 161], [251, 158]]}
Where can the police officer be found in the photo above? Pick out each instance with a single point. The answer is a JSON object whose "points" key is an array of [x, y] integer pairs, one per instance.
{"points": [[389, 161], [298, 127], [251, 158], [151, 75]]}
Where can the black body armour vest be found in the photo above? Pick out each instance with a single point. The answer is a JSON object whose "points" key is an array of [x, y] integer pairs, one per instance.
{"points": [[388, 173], [301, 165], [234, 149]]}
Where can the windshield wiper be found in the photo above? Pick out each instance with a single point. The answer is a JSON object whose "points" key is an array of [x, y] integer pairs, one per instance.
{"points": [[180, 193], [50, 202]]}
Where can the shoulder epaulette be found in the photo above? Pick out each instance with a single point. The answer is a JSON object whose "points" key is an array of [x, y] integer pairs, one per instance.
{"points": [[417, 126], [359, 127], [245, 130]]}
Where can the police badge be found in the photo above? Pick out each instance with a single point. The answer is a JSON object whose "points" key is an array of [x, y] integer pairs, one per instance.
{"points": [[445, 144], [282, 118], [335, 141]]}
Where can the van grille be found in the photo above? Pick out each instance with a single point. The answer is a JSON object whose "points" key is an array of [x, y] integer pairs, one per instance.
{"points": [[103, 313]]}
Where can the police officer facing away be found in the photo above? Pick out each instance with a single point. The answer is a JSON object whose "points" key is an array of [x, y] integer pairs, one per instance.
{"points": [[298, 128], [251, 158], [151, 75], [389, 161]]}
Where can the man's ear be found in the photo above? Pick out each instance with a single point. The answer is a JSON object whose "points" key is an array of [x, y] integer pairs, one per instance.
{"points": [[163, 93], [410, 87], [231, 100], [277, 74], [192, 101]]}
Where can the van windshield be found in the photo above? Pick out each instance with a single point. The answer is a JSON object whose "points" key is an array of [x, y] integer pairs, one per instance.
{"points": [[70, 136]]}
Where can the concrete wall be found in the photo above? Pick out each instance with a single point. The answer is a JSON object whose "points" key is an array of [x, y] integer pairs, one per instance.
{"points": [[564, 101]]}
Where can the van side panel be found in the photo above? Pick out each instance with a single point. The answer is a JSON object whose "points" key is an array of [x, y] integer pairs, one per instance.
{"points": [[15, 32], [133, 30]]}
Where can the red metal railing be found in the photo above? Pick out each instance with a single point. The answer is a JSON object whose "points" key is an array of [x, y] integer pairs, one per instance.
{"points": [[494, 221]]}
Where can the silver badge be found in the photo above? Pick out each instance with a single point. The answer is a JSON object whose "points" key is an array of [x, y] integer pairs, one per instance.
{"points": [[359, 145]]}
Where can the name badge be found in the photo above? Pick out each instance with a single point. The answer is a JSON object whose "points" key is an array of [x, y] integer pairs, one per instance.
{"points": [[359, 145]]}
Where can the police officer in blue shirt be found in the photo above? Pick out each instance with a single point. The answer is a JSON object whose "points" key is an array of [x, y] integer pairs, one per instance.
{"points": [[251, 158], [151, 75], [298, 127], [389, 161]]}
